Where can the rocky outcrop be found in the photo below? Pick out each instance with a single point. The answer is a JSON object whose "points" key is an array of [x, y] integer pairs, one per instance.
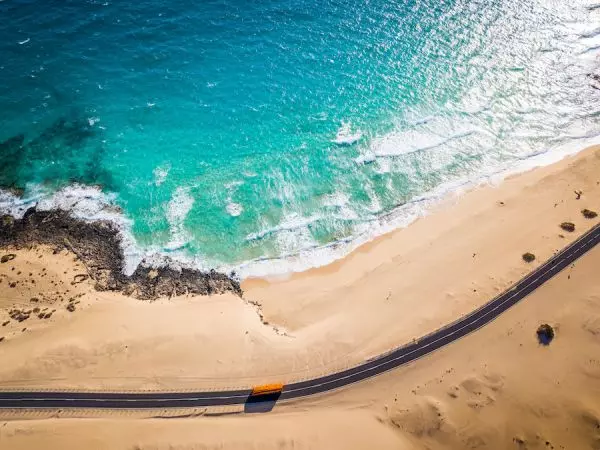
{"points": [[97, 246]]}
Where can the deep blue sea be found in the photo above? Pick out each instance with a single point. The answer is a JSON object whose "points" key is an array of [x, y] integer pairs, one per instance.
{"points": [[276, 135]]}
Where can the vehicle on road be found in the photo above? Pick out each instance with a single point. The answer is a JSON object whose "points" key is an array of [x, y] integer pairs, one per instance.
{"points": [[267, 389]]}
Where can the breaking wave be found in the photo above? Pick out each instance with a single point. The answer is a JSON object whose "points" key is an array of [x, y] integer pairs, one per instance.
{"points": [[90, 203]]}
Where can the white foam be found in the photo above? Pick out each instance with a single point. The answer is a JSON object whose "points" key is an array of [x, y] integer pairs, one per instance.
{"points": [[339, 202], [318, 256], [12, 204], [423, 120], [419, 130], [290, 222], [375, 205], [177, 210], [365, 158], [299, 251], [161, 173], [234, 209], [233, 184], [590, 33], [93, 121], [345, 135], [86, 203], [410, 141], [293, 240]]}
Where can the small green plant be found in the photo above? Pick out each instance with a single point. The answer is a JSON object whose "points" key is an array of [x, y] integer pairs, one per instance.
{"points": [[528, 257]]}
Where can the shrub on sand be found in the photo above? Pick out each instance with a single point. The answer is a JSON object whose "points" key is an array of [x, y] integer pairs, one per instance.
{"points": [[568, 226], [528, 257], [7, 258], [545, 334]]}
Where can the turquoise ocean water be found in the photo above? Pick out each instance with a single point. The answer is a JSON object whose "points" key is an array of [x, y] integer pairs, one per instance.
{"points": [[267, 136]]}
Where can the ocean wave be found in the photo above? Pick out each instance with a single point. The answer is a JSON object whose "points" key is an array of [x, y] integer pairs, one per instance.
{"points": [[400, 216], [345, 135], [299, 251], [234, 209], [366, 157], [161, 173], [178, 208], [340, 203], [590, 49], [410, 141], [93, 121], [290, 222], [590, 33]]}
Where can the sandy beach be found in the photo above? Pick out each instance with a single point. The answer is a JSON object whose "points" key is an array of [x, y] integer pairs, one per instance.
{"points": [[496, 388]]}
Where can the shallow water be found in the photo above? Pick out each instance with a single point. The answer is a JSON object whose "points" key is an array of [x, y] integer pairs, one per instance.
{"points": [[275, 135]]}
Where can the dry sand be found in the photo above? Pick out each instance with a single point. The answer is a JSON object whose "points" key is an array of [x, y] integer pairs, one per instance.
{"points": [[497, 388]]}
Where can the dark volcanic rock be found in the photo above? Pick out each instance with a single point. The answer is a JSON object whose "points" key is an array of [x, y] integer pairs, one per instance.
{"points": [[97, 245], [7, 258], [7, 221]]}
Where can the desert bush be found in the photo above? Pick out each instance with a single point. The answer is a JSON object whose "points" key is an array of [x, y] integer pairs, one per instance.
{"points": [[545, 334], [528, 257], [568, 226]]}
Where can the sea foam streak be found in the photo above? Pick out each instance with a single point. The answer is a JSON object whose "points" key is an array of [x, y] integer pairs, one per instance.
{"points": [[90, 204], [177, 210], [345, 136], [317, 256], [233, 209]]}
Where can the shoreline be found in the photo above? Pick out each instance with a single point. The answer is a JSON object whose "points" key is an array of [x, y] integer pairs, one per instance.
{"points": [[97, 245], [136, 260], [295, 263], [331, 293], [442, 204], [449, 262], [386, 293]]}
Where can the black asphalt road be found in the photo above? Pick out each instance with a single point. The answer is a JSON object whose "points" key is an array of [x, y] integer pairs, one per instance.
{"points": [[375, 366]]}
